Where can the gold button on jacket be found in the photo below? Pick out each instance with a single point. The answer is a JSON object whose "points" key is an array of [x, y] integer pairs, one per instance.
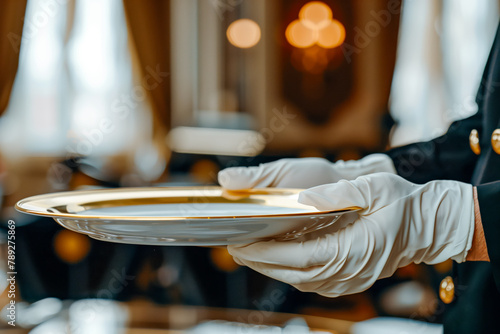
{"points": [[447, 290], [474, 142], [495, 141]]}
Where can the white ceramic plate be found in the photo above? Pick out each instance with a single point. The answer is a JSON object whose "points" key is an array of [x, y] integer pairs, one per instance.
{"points": [[196, 216]]}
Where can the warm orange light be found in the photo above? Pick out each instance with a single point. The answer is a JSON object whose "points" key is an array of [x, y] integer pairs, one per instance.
{"points": [[71, 247], [299, 35], [315, 13], [332, 35], [315, 26], [243, 33], [223, 260]]}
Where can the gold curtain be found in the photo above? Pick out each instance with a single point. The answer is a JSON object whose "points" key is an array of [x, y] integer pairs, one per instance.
{"points": [[149, 29], [11, 26]]}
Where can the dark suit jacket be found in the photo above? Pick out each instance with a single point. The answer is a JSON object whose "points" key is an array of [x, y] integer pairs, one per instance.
{"points": [[476, 308]]}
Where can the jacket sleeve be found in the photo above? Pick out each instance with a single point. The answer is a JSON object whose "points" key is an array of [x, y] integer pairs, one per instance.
{"points": [[449, 156], [489, 204], [446, 157]]}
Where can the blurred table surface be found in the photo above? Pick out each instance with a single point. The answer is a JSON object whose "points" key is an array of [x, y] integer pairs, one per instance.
{"points": [[145, 317], [143, 314]]}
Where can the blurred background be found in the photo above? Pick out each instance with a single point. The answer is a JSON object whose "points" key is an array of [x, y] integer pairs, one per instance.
{"points": [[116, 93]]}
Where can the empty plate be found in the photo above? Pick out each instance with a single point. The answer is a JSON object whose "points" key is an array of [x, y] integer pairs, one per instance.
{"points": [[198, 216]]}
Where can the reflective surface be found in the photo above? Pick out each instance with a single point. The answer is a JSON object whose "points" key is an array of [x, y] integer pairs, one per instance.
{"points": [[182, 216]]}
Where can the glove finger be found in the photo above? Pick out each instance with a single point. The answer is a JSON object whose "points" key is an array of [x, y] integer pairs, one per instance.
{"points": [[335, 196], [332, 288], [285, 173], [310, 253], [238, 262], [370, 192], [265, 175], [353, 266], [330, 251], [373, 163], [284, 274], [237, 178]]}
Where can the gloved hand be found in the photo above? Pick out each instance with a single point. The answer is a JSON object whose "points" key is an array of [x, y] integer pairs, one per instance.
{"points": [[400, 223], [302, 173]]}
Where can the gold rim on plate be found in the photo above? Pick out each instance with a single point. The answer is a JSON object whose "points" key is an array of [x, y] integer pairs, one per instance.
{"points": [[70, 204]]}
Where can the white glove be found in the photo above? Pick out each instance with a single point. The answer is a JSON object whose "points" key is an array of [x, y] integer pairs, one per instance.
{"points": [[400, 223], [302, 173]]}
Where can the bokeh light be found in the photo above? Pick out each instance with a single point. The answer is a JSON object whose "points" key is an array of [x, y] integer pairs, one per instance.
{"points": [[223, 260], [315, 26], [243, 33], [332, 35], [299, 35], [71, 247], [316, 13]]}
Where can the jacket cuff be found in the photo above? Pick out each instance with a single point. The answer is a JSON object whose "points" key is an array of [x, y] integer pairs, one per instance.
{"points": [[489, 203]]}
